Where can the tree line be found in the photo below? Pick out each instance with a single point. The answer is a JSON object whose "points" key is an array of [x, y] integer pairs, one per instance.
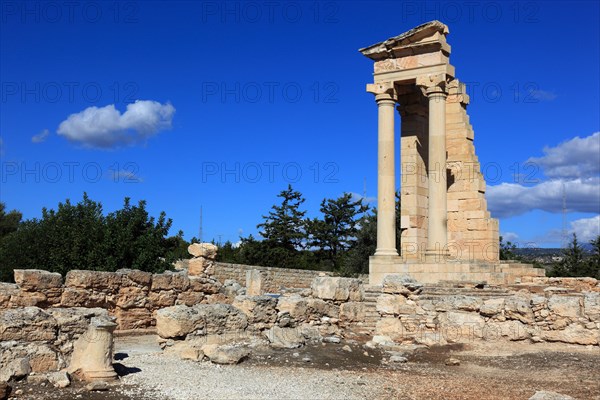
{"points": [[80, 236], [340, 239]]}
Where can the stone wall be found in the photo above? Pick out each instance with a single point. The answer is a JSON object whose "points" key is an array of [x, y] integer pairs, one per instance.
{"points": [[567, 311], [131, 296], [274, 278], [36, 340]]}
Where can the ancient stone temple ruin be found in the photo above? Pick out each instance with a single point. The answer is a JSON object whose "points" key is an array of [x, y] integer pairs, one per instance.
{"points": [[447, 231]]}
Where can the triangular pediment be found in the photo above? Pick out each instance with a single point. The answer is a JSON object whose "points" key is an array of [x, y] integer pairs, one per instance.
{"points": [[422, 36]]}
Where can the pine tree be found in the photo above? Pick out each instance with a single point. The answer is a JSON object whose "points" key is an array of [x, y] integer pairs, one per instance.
{"points": [[284, 233], [284, 227], [336, 233]]}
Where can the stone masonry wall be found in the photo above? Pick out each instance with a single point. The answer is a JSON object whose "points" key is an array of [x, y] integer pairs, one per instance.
{"points": [[131, 296], [274, 278], [545, 310]]}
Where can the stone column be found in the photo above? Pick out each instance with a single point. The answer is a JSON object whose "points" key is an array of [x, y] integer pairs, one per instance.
{"points": [[385, 97], [93, 351], [437, 225]]}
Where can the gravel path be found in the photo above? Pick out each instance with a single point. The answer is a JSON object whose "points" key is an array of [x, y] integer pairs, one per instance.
{"points": [[171, 378]]}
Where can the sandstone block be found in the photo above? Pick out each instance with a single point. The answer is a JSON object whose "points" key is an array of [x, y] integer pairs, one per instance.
{"points": [[162, 298], [99, 280], [260, 310], [400, 284], [565, 306], [207, 250], [574, 334], [462, 326], [225, 354], [392, 328], [27, 324], [285, 338], [390, 303], [204, 284], [178, 321], [28, 299], [189, 298], [591, 303], [518, 308], [78, 297], [492, 307], [134, 318], [37, 279], [132, 297], [352, 312], [6, 291], [198, 266], [336, 288], [134, 277], [178, 281], [296, 306]]}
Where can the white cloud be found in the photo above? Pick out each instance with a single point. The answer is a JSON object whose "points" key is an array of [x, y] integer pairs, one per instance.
{"points": [[510, 199], [575, 158], [106, 127], [586, 228], [509, 237], [573, 165], [40, 137]]}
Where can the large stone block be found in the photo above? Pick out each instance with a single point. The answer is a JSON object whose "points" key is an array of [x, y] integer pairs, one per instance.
{"points": [[134, 277], [565, 306], [207, 250], [37, 279], [390, 303], [352, 311], [179, 321], [134, 318], [78, 297], [177, 281], [98, 280], [132, 297], [591, 303], [27, 324], [296, 306], [492, 307], [204, 284], [7, 290], [392, 328], [519, 308], [462, 326], [574, 334], [336, 288], [260, 310]]}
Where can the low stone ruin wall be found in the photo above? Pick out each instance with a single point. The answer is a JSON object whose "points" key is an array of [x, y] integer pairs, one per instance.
{"points": [[567, 310], [274, 278], [131, 296], [322, 312], [36, 340]]}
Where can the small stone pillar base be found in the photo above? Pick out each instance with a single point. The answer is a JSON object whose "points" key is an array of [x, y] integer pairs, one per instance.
{"points": [[93, 351]]}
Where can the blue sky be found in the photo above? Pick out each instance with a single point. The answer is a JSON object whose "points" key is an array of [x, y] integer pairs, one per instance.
{"points": [[235, 100]]}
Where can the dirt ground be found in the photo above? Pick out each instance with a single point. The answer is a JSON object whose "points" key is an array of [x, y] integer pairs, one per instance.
{"points": [[506, 370]]}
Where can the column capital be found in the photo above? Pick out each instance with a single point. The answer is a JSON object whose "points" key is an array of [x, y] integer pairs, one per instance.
{"points": [[384, 92], [433, 85]]}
